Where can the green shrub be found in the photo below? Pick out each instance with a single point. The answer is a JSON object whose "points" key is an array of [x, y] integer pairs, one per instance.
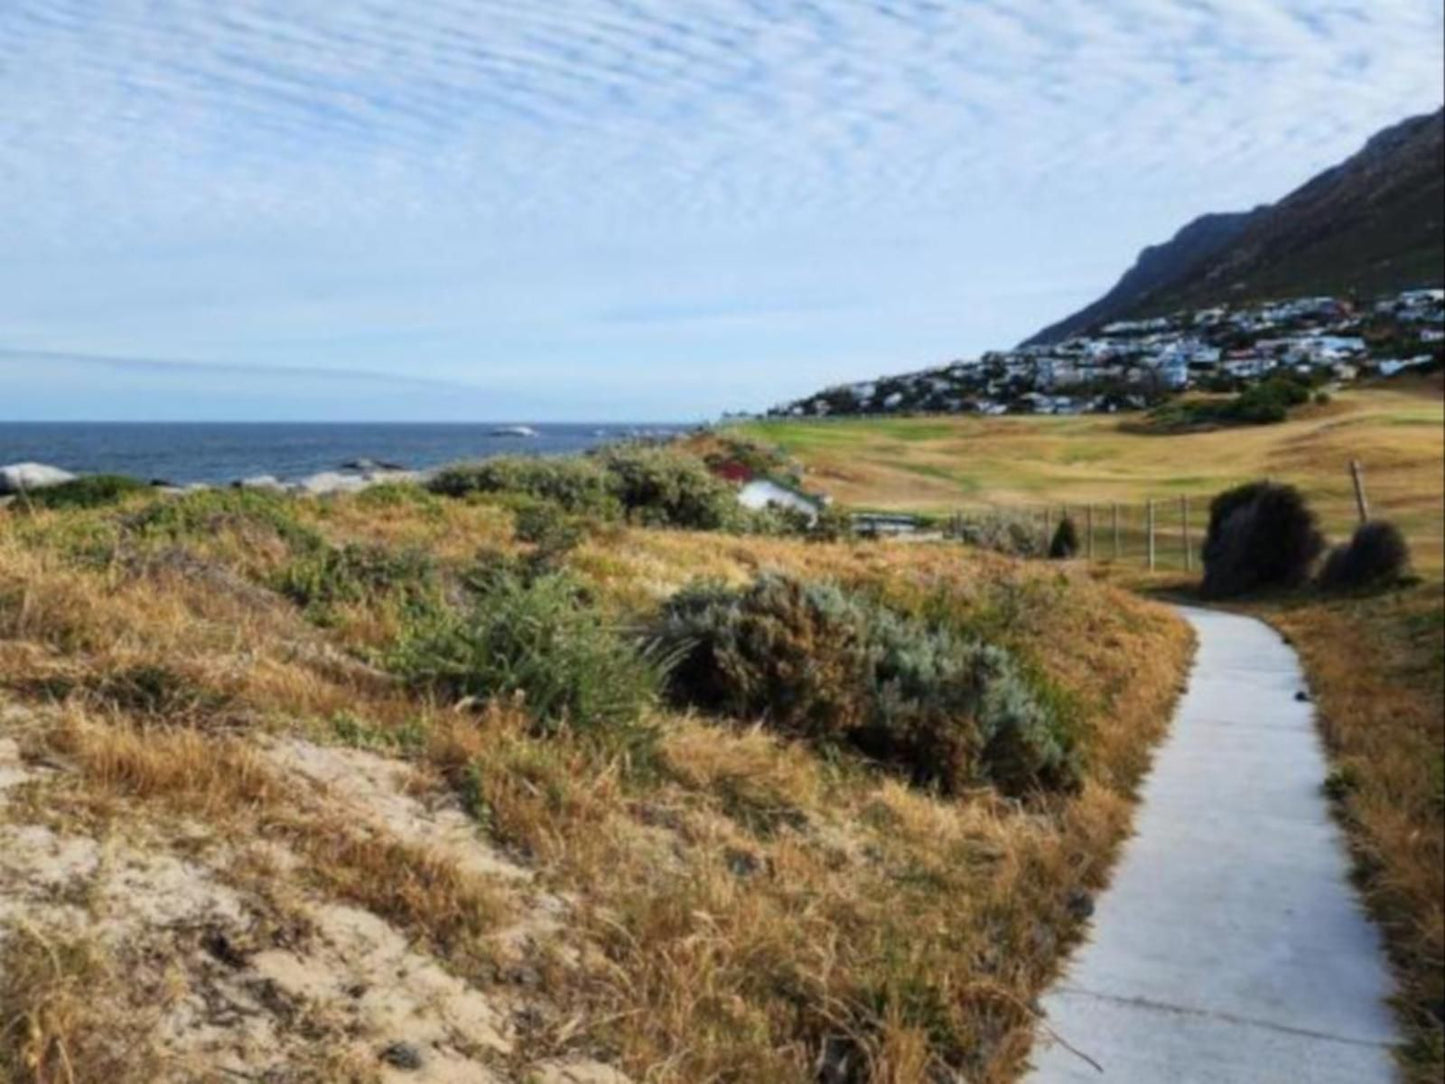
{"points": [[1376, 554], [660, 487], [838, 669], [1263, 403], [399, 495], [546, 525], [542, 641], [208, 511], [356, 573], [774, 520], [1065, 543], [92, 491], [833, 524], [575, 483], [663, 487], [1260, 536], [1002, 532]]}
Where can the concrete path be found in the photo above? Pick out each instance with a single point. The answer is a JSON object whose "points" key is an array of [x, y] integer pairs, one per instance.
{"points": [[1230, 946]]}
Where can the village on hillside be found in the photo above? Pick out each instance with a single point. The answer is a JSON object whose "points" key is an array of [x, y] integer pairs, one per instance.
{"points": [[1135, 364]]}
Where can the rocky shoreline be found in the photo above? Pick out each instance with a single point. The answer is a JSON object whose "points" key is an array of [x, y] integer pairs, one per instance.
{"points": [[352, 476]]}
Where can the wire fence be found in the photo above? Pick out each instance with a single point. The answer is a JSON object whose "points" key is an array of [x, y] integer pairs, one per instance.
{"points": [[1159, 533]]}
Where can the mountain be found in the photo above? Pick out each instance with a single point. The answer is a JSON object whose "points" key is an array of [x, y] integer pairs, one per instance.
{"points": [[1373, 224]]}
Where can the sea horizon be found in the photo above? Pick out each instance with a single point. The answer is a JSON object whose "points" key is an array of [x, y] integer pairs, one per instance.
{"points": [[184, 452]]}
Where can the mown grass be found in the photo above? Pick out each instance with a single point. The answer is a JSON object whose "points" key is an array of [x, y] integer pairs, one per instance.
{"points": [[743, 904]]}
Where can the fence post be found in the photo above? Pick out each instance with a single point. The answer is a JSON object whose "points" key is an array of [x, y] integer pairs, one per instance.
{"points": [[1117, 550], [1089, 515], [1188, 549], [1048, 535], [1357, 473], [1150, 531]]}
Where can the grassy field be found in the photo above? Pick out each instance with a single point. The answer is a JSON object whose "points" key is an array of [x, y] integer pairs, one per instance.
{"points": [[251, 828], [930, 464]]}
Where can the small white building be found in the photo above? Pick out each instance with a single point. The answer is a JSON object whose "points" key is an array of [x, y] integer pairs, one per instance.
{"points": [[760, 493]]}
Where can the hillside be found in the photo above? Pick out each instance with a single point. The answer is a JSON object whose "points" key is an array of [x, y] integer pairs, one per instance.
{"points": [[1370, 225], [388, 787]]}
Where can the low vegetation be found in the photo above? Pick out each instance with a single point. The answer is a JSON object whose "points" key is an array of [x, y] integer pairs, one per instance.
{"points": [[1265, 403], [1002, 532], [487, 777], [655, 486], [1376, 664], [92, 491], [815, 661]]}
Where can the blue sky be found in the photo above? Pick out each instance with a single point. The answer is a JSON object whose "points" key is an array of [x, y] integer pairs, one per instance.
{"points": [[622, 209]]}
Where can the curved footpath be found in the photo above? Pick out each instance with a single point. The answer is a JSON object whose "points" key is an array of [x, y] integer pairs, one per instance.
{"points": [[1230, 947]]}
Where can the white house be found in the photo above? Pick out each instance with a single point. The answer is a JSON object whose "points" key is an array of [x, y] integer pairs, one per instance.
{"points": [[762, 492]]}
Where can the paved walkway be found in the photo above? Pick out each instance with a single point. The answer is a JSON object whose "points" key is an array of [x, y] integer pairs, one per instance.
{"points": [[1229, 947]]}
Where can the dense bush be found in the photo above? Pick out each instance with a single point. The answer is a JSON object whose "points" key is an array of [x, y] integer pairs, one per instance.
{"points": [[541, 640], [1376, 554], [1065, 542], [662, 487], [575, 483], [1268, 401], [1002, 532], [1260, 536], [92, 491], [1262, 403], [835, 668]]}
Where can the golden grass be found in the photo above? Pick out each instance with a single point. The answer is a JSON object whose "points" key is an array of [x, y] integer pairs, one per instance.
{"points": [[944, 464], [738, 910], [1377, 666]]}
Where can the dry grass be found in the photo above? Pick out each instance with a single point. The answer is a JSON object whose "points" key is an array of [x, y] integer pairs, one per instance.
{"points": [[736, 908], [1377, 666]]}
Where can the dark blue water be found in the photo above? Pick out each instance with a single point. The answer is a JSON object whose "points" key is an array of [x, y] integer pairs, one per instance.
{"points": [[223, 452]]}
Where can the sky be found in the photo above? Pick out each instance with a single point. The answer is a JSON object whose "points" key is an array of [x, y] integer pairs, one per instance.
{"points": [[622, 209]]}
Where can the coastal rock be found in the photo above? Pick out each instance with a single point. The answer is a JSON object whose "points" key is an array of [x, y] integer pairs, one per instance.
{"points": [[261, 481], [365, 465], [328, 482], [20, 477]]}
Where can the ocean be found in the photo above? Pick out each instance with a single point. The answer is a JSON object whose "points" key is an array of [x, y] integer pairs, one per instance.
{"points": [[182, 452]]}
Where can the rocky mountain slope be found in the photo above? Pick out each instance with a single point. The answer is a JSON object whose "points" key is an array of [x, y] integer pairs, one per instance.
{"points": [[1373, 224]]}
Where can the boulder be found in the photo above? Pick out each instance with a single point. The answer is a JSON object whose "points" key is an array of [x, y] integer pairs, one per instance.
{"points": [[20, 477], [366, 465], [261, 481]]}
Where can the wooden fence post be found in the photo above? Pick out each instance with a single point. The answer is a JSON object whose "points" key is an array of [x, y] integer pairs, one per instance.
{"points": [[1357, 473], [1048, 535], [1117, 550], [1150, 531], [1089, 516], [1188, 549]]}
